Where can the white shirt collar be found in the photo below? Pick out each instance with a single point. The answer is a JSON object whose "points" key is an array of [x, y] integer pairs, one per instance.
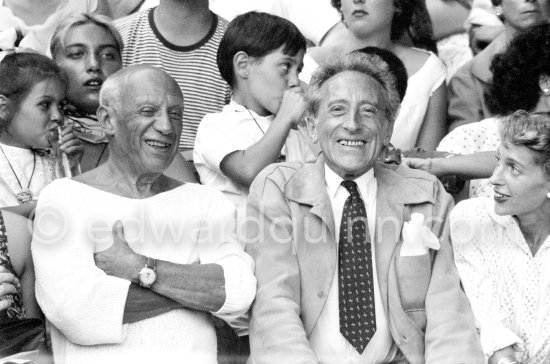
{"points": [[365, 182], [263, 121]]}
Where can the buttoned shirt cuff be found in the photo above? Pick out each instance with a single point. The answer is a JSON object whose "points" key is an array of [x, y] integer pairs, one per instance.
{"points": [[495, 338]]}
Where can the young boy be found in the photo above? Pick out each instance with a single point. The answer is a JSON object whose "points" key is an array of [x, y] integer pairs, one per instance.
{"points": [[260, 57]]}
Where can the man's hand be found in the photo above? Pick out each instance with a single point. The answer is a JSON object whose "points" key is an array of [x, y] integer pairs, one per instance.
{"points": [[120, 260], [292, 106], [7, 286]]}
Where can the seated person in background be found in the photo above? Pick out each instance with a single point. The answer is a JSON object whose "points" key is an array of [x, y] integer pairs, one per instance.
{"points": [[341, 277], [88, 49], [421, 119], [260, 56], [32, 88], [475, 144], [467, 101], [159, 269], [502, 246]]}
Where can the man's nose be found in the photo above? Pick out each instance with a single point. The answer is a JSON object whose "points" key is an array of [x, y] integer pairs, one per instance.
{"points": [[352, 121], [163, 124]]}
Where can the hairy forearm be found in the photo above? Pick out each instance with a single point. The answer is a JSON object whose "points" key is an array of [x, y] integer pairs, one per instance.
{"points": [[142, 304], [197, 286]]}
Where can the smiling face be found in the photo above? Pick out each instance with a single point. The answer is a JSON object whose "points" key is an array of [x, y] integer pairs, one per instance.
{"points": [[147, 123], [34, 123], [269, 77], [520, 184], [89, 56], [522, 14], [365, 18], [351, 125]]}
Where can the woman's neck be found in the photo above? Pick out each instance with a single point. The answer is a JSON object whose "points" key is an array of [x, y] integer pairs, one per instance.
{"points": [[183, 24], [380, 40], [535, 229]]}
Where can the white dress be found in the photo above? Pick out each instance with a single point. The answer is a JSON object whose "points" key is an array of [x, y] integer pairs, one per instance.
{"points": [[483, 136], [420, 88], [508, 288], [16, 168]]}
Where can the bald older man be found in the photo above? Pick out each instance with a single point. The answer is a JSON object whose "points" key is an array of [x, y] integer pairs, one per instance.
{"points": [[129, 261]]}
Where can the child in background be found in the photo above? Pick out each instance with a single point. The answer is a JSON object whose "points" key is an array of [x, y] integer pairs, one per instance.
{"points": [[260, 57], [31, 90]]}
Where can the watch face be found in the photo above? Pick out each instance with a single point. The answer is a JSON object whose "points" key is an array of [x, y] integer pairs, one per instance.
{"points": [[147, 276]]}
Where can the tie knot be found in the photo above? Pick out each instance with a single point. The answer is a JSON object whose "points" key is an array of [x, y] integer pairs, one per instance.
{"points": [[351, 186]]}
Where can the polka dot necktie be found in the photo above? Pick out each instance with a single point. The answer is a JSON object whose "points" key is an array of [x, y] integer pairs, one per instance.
{"points": [[356, 287]]}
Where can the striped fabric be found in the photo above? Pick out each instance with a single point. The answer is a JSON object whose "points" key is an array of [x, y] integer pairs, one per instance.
{"points": [[193, 67]]}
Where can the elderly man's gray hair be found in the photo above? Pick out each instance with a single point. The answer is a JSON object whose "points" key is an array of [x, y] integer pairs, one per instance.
{"points": [[368, 64]]}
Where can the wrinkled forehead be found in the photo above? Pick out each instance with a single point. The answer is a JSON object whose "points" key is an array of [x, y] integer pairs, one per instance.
{"points": [[152, 83]]}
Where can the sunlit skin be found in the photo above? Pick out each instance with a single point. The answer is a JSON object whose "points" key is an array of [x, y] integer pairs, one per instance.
{"points": [[351, 125], [148, 124], [34, 124], [520, 185], [522, 14], [278, 70], [364, 18], [88, 58]]}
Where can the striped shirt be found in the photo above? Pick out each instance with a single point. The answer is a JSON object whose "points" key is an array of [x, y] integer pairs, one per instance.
{"points": [[193, 67]]}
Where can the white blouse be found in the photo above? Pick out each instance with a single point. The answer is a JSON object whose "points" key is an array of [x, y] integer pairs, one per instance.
{"points": [[508, 287]]}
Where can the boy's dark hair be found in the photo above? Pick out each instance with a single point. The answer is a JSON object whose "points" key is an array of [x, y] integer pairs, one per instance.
{"points": [[395, 66], [256, 34]]}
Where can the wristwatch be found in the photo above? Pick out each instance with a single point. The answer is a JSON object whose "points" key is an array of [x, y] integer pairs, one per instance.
{"points": [[148, 274]]}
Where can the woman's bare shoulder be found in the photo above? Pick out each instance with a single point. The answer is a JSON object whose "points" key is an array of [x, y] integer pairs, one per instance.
{"points": [[413, 58]]}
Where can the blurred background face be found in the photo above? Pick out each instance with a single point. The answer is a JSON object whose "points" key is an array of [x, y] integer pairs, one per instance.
{"points": [[367, 17], [520, 184], [90, 55], [351, 125], [521, 14]]}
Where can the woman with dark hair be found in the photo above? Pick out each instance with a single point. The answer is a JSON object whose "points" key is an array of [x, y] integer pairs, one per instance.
{"points": [[467, 88], [524, 66], [502, 246], [382, 23]]}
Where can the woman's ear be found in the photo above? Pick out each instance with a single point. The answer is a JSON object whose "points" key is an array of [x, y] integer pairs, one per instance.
{"points": [[105, 120], [241, 62], [311, 128]]}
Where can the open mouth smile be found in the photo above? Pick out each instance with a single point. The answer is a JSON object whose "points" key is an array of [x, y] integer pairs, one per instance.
{"points": [[94, 82], [351, 143], [500, 197], [157, 144]]}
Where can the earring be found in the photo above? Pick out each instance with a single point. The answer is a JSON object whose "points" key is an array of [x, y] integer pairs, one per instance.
{"points": [[546, 91], [548, 195], [498, 11]]}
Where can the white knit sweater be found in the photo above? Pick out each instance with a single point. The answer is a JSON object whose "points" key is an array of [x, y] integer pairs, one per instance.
{"points": [[190, 224]]}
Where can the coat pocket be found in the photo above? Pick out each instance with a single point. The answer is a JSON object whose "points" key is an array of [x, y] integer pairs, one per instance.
{"points": [[413, 279]]}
